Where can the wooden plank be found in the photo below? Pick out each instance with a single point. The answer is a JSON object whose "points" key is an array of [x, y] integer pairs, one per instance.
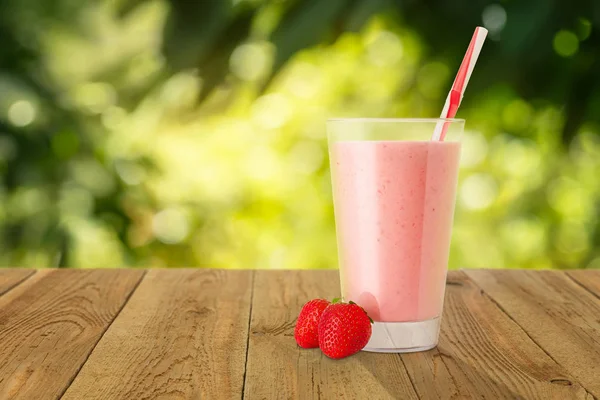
{"points": [[50, 323], [588, 278], [558, 314], [484, 354], [182, 335], [278, 368], [11, 277]]}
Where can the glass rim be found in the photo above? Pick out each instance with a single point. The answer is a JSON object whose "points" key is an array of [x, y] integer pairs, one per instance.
{"points": [[408, 120]]}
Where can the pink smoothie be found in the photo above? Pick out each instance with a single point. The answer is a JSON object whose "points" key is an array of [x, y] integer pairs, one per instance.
{"points": [[394, 206]]}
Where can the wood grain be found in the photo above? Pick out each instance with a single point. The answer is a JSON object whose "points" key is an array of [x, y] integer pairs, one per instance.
{"points": [[557, 313], [278, 369], [11, 277], [50, 323], [484, 354], [182, 335], [187, 334], [589, 279]]}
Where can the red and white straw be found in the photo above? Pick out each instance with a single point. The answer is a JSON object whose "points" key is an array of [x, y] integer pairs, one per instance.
{"points": [[460, 82]]}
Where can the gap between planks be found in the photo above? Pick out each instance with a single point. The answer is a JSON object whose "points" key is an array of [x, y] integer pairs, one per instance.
{"points": [[181, 335], [248, 332], [410, 378], [278, 368], [54, 311], [87, 357], [527, 373], [499, 306], [581, 285], [251, 310], [10, 287], [571, 375]]}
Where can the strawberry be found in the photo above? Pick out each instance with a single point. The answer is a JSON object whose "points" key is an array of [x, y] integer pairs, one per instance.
{"points": [[344, 329], [306, 332]]}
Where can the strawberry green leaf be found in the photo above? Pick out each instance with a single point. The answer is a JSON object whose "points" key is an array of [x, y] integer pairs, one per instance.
{"points": [[336, 300], [351, 302]]}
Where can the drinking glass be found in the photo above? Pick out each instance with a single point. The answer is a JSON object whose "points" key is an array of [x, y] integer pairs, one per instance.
{"points": [[394, 191]]}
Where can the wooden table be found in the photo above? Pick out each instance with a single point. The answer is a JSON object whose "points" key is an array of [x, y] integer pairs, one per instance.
{"points": [[214, 334]]}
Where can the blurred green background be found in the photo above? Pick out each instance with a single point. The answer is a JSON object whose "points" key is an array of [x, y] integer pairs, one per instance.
{"points": [[192, 133]]}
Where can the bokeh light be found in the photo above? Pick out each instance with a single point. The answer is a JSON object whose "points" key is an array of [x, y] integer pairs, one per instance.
{"points": [[251, 61], [494, 19], [384, 48], [271, 111], [170, 226], [517, 115], [565, 43], [136, 140], [478, 191], [21, 113], [526, 238], [94, 97], [584, 28], [474, 149]]}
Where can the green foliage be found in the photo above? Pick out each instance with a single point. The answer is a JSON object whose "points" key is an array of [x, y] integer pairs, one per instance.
{"points": [[177, 133]]}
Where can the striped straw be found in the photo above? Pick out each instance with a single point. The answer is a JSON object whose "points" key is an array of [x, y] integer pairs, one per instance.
{"points": [[460, 82]]}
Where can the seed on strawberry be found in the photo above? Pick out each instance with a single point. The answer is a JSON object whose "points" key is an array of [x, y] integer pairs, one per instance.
{"points": [[344, 329], [306, 332]]}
